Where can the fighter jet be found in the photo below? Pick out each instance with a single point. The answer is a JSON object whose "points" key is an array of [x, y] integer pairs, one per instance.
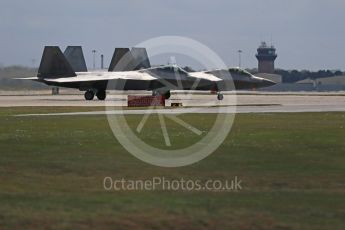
{"points": [[131, 70]]}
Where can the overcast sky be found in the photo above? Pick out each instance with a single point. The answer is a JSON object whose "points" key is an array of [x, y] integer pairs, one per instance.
{"points": [[308, 34]]}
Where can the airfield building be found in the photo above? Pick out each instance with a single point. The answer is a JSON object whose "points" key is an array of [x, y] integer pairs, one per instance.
{"points": [[266, 56]]}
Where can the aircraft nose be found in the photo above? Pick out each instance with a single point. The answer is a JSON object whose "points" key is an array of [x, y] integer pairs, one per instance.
{"points": [[266, 83]]}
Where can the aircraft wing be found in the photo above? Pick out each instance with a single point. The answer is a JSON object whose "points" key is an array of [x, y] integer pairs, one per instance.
{"points": [[27, 78], [104, 76], [205, 76]]}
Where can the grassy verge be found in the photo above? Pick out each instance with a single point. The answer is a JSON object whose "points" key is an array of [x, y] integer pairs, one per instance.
{"points": [[52, 169]]}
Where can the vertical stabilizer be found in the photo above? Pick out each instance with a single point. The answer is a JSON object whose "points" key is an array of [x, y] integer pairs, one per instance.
{"points": [[122, 60], [75, 56], [141, 59], [54, 64]]}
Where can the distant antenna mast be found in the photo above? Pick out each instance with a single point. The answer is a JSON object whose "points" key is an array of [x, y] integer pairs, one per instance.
{"points": [[102, 61], [94, 59], [33, 62], [172, 60], [239, 58]]}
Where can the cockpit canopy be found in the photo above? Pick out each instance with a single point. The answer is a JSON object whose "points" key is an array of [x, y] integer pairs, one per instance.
{"points": [[169, 69], [240, 71]]}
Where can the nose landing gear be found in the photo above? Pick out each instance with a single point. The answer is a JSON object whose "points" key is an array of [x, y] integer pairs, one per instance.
{"points": [[220, 97]]}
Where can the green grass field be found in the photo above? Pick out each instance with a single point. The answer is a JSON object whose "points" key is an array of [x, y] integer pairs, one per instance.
{"points": [[52, 170]]}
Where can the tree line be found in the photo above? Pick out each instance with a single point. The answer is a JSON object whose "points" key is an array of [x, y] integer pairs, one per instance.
{"points": [[295, 75], [7, 81]]}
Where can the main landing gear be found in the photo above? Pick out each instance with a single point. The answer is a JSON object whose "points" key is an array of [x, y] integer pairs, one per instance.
{"points": [[101, 95], [90, 94]]}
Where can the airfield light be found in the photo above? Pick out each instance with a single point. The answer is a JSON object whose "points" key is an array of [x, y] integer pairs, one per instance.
{"points": [[94, 59]]}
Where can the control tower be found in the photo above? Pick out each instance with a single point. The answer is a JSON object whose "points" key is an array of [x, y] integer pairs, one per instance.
{"points": [[266, 56]]}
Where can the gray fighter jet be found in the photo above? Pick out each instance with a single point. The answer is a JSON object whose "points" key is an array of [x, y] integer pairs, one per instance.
{"points": [[131, 70]]}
